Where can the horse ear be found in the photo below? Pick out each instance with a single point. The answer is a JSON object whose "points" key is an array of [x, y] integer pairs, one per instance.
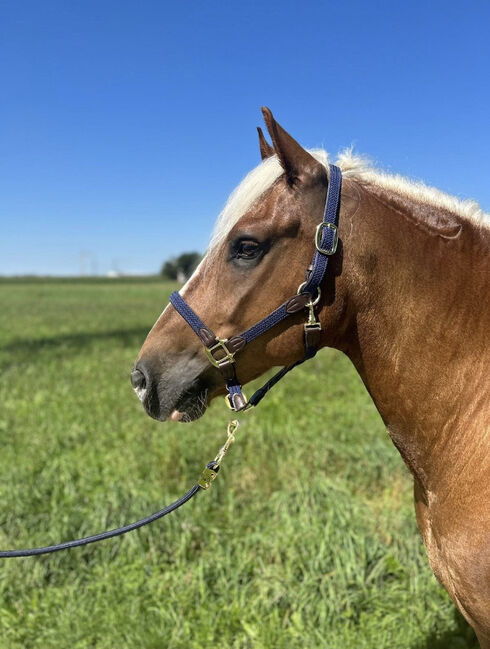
{"points": [[297, 163], [266, 151]]}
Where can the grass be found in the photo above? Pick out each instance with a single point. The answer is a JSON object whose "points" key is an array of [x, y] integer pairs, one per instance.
{"points": [[307, 539]]}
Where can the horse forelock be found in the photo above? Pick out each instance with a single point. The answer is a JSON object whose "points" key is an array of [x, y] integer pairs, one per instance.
{"points": [[242, 198], [262, 177]]}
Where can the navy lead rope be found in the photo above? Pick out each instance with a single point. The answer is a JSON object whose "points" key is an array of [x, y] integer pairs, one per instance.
{"points": [[48, 549], [221, 353], [206, 479]]}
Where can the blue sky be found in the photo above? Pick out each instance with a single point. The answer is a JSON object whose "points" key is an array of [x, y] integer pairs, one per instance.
{"points": [[124, 125]]}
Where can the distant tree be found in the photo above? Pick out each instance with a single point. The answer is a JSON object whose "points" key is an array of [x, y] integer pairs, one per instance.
{"points": [[169, 269], [181, 267]]}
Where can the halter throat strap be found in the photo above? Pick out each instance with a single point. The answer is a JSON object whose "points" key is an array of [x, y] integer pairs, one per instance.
{"points": [[221, 352]]}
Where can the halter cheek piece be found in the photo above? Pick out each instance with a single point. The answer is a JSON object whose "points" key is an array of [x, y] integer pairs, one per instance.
{"points": [[221, 352]]}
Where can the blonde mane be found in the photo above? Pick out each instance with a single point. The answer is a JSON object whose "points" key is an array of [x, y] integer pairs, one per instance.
{"points": [[265, 174]]}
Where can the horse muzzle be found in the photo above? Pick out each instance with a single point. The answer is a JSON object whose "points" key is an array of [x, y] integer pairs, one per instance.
{"points": [[179, 390]]}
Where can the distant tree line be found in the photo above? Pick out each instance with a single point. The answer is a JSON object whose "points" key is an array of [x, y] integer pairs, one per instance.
{"points": [[181, 268]]}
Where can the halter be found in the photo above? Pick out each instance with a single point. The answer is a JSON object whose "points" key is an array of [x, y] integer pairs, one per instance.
{"points": [[221, 352]]}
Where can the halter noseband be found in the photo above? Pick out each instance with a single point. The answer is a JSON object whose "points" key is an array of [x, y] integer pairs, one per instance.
{"points": [[221, 352]]}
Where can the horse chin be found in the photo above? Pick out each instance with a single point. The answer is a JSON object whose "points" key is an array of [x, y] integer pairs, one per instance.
{"points": [[187, 407], [190, 407]]}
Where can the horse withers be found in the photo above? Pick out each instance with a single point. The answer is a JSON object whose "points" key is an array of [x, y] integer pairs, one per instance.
{"points": [[405, 297]]}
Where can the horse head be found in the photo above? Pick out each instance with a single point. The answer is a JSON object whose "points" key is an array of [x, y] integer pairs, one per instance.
{"points": [[262, 244]]}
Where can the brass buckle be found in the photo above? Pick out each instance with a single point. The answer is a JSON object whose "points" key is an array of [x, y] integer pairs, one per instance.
{"points": [[318, 238], [221, 344]]}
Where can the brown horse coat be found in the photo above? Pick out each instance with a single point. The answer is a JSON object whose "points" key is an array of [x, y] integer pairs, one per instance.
{"points": [[406, 298]]}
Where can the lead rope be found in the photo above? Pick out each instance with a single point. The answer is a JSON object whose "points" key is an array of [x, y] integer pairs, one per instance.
{"points": [[207, 477]]}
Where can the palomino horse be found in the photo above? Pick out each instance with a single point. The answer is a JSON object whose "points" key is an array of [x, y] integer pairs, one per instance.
{"points": [[405, 297]]}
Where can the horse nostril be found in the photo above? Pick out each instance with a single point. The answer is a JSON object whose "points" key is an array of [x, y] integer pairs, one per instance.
{"points": [[138, 380]]}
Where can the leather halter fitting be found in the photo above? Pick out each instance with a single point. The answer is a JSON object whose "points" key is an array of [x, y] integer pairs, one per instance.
{"points": [[221, 352]]}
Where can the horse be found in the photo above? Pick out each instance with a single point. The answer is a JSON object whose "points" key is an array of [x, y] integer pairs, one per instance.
{"points": [[404, 297]]}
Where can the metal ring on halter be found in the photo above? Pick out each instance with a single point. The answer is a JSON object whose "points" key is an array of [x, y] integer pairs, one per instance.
{"points": [[227, 401], [316, 300]]}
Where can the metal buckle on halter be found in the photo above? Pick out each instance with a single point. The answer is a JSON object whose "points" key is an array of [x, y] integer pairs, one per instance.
{"points": [[319, 235], [229, 357]]}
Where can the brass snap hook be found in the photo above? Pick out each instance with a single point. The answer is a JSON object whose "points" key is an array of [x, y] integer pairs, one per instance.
{"points": [[312, 322]]}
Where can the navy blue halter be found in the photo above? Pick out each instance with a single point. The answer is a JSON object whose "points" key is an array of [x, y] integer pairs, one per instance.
{"points": [[221, 352]]}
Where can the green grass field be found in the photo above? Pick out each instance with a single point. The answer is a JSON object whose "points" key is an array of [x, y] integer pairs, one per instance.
{"points": [[307, 539]]}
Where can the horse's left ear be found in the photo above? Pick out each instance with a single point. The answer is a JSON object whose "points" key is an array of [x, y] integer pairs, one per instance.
{"points": [[298, 164]]}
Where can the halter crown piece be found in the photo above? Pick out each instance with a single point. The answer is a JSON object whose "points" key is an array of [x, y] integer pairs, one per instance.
{"points": [[221, 351]]}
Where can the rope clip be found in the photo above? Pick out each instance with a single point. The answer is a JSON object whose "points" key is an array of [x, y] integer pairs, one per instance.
{"points": [[210, 472]]}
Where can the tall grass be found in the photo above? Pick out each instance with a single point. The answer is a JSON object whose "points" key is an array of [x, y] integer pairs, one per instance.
{"points": [[307, 539]]}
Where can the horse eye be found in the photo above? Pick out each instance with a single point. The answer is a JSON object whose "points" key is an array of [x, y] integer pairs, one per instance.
{"points": [[247, 249], [246, 252]]}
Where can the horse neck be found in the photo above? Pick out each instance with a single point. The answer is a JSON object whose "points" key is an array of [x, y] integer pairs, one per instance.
{"points": [[416, 282]]}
